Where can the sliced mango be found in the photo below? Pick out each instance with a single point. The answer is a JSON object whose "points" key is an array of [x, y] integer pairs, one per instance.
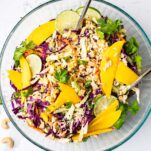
{"points": [[45, 116], [69, 93], [41, 33], [125, 75], [105, 121], [110, 109], [76, 137], [58, 103], [109, 65], [15, 78], [25, 72]]}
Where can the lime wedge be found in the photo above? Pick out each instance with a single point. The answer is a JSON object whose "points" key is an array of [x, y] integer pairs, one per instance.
{"points": [[91, 13], [102, 102], [67, 20], [34, 63]]}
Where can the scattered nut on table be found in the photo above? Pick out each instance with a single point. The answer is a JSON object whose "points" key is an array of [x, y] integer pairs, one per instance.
{"points": [[4, 123], [8, 141]]}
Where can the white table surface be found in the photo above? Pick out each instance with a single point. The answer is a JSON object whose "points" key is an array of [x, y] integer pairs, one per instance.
{"points": [[10, 13]]}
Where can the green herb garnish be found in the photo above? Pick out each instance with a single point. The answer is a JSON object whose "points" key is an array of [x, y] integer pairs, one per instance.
{"points": [[138, 61], [134, 108], [20, 50], [0, 102], [88, 83], [82, 62], [100, 34], [131, 46], [120, 121], [67, 58], [62, 76], [85, 139], [109, 26], [21, 110], [27, 93], [68, 105], [76, 86], [17, 94]]}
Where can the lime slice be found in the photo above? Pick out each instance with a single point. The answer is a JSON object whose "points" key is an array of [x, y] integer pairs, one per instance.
{"points": [[102, 102], [34, 63], [91, 13], [67, 20]]}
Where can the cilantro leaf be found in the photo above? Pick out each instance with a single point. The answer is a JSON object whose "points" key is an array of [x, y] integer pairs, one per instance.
{"points": [[67, 58], [62, 76], [17, 94], [20, 50], [68, 105], [119, 123], [29, 45], [138, 61], [109, 26], [85, 139], [82, 62], [100, 34], [27, 92], [134, 108], [131, 46], [88, 83]]}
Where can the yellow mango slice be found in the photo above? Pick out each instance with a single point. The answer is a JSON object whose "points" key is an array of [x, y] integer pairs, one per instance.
{"points": [[67, 94], [105, 121], [110, 109], [15, 78], [59, 102], [76, 137], [41, 33], [125, 75], [25, 72], [45, 116], [109, 65]]}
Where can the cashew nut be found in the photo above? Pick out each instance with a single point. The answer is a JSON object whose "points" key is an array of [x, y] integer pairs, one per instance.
{"points": [[8, 141], [4, 123]]}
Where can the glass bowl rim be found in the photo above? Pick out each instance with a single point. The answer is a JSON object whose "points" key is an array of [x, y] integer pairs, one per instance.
{"points": [[8, 38]]}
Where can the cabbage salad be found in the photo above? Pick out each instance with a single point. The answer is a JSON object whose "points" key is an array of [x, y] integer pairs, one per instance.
{"points": [[71, 84]]}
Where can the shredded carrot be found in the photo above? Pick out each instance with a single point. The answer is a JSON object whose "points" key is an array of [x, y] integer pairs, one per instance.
{"points": [[38, 129], [49, 85], [120, 37], [37, 51], [28, 52], [66, 41], [73, 50]]}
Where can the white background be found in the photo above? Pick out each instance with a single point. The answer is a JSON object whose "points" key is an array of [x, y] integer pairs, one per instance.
{"points": [[10, 13]]}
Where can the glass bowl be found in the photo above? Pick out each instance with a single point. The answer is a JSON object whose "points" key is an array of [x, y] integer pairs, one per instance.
{"points": [[47, 12]]}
